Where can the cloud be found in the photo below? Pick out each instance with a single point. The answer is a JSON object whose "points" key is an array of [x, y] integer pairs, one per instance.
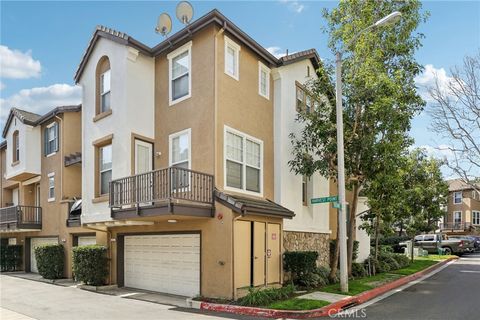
{"points": [[427, 79], [18, 65], [40, 100], [2, 86], [294, 5], [441, 151], [278, 52]]}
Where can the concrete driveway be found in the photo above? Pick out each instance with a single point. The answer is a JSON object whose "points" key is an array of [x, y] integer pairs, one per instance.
{"points": [[25, 298]]}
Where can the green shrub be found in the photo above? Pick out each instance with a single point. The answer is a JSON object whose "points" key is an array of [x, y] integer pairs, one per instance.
{"points": [[300, 263], [90, 264], [358, 270], [11, 257], [333, 242], [402, 260], [50, 260], [264, 297]]}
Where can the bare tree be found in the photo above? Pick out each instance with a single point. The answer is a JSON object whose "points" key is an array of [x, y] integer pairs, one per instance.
{"points": [[456, 117]]}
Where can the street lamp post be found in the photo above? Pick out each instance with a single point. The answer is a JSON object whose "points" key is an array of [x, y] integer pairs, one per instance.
{"points": [[342, 218]]}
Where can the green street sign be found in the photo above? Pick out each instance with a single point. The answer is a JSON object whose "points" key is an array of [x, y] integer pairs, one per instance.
{"points": [[337, 205], [324, 199]]}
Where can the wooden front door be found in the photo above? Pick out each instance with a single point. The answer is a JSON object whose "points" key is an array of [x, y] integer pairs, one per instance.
{"points": [[258, 253]]}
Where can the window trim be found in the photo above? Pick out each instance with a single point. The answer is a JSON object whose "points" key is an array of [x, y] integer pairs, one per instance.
{"points": [[170, 145], [51, 175], [185, 48], [232, 44], [455, 198], [262, 67], [48, 127], [245, 136], [306, 93], [476, 212]]}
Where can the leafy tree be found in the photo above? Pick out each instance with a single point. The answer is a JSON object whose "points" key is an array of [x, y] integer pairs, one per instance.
{"points": [[380, 97], [456, 117]]}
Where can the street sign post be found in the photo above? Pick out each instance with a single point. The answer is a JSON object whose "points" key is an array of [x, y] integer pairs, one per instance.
{"points": [[324, 199]]}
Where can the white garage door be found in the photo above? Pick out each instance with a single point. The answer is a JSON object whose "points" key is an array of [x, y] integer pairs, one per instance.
{"points": [[164, 263], [87, 241], [35, 242]]}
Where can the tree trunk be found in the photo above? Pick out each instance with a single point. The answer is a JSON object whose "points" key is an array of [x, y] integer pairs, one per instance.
{"points": [[352, 226], [334, 259]]}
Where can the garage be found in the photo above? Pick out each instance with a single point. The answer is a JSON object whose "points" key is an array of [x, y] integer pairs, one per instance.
{"points": [[35, 242], [168, 263], [87, 240]]}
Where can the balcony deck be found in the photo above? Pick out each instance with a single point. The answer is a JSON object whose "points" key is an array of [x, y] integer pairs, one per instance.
{"points": [[20, 218], [456, 226], [171, 190]]}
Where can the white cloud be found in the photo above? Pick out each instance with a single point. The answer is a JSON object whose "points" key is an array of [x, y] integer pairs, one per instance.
{"points": [[40, 100], [294, 5], [2, 85], [441, 151], [18, 65], [427, 79], [278, 52]]}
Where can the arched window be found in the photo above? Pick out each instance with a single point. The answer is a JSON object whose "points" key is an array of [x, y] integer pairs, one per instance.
{"points": [[103, 79], [16, 146]]}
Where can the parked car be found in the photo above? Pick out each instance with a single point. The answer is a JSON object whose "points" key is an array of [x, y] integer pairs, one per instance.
{"points": [[431, 243], [477, 242], [469, 242]]}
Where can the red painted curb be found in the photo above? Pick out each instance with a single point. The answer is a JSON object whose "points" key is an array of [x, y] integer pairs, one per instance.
{"points": [[329, 310]]}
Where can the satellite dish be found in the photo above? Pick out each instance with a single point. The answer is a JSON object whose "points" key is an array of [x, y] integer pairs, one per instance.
{"points": [[184, 12], [164, 24]]}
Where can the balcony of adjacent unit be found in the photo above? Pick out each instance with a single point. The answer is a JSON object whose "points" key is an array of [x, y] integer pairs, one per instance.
{"points": [[456, 226], [20, 218], [167, 191]]}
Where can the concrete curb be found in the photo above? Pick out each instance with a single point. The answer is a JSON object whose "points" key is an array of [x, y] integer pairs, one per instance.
{"points": [[329, 310]]}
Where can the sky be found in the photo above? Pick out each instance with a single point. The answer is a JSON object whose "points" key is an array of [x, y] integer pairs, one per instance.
{"points": [[41, 43]]}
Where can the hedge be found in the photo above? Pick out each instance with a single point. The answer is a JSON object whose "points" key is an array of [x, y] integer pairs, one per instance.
{"points": [[50, 260], [90, 264], [300, 263], [11, 257]]}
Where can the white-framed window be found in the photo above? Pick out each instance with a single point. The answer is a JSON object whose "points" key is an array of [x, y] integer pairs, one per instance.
{"points": [[476, 217], [457, 217], [16, 146], [51, 187], [243, 164], [105, 168], [51, 139], [180, 73], [457, 197], [475, 195], [263, 80], [105, 80], [305, 190], [180, 147], [232, 58]]}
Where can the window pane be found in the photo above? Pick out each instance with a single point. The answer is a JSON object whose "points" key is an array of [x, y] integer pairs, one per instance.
{"points": [[263, 82], [253, 179], [300, 96], [180, 148], [51, 146], [105, 178], [105, 104], [180, 87], [234, 175], [253, 154], [180, 65], [308, 104], [105, 85], [234, 147], [106, 158], [231, 61]]}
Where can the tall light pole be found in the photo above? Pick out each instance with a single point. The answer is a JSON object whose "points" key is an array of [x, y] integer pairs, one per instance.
{"points": [[342, 216]]}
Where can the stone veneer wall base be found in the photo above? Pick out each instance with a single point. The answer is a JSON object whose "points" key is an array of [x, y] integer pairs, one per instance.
{"points": [[308, 241]]}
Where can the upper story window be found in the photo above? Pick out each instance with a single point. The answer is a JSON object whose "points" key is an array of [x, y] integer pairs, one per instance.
{"points": [[51, 187], [105, 168], [457, 216], [16, 146], [457, 197], [305, 190], [476, 217], [51, 138], [232, 57], [103, 87], [179, 146], [243, 161], [305, 100], [263, 80], [180, 73]]}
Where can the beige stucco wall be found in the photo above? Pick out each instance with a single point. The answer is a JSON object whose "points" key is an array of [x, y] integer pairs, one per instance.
{"points": [[467, 206]]}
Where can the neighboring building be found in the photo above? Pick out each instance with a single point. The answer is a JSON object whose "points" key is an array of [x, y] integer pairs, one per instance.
{"points": [[41, 177], [463, 209], [178, 159]]}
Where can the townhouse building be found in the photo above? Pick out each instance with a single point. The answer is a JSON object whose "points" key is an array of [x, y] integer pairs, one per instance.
{"points": [[40, 179], [463, 209], [185, 151]]}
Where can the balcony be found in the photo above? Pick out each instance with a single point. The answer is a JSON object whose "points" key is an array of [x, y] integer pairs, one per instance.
{"points": [[456, 226], [20, 218], [165, 191]]}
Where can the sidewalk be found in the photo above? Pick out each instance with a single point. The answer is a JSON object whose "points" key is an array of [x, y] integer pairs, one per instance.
{"points": [[6, 314]]}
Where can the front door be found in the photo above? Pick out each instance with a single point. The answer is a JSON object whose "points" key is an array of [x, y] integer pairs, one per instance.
{"points": [[258, 253], [143, 164]]}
